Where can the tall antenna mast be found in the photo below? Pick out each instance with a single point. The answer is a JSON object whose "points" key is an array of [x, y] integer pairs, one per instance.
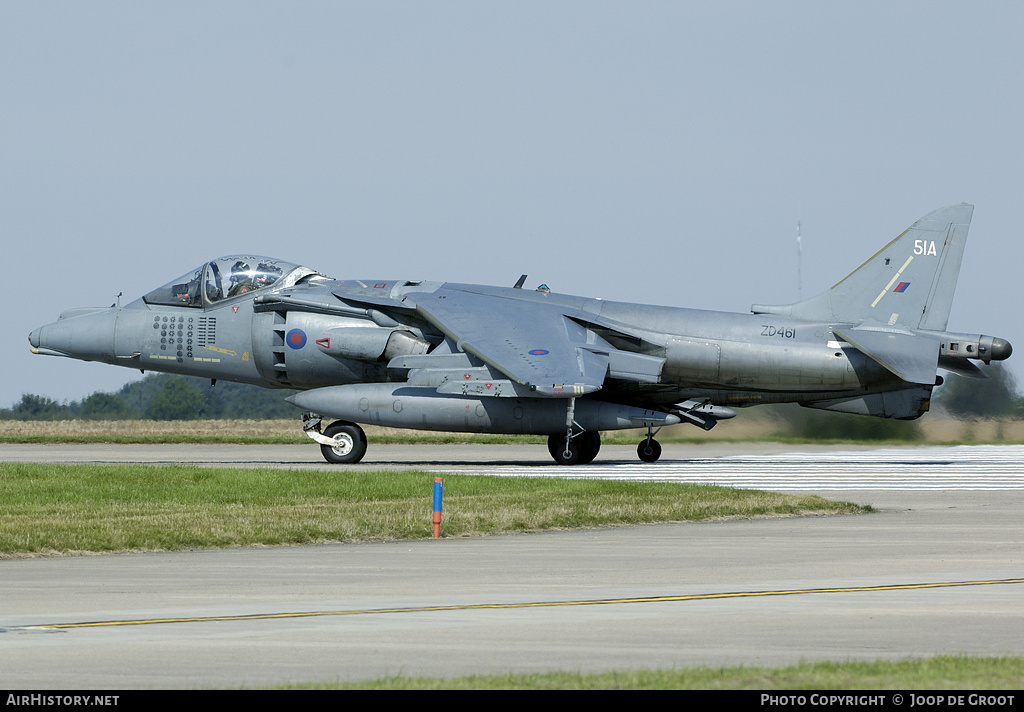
{"points": [[799, 255]]}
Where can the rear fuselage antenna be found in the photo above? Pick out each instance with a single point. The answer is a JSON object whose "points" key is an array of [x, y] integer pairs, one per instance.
{"points": [[799, 255]]}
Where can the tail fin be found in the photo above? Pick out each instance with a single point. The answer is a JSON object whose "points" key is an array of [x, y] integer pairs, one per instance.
{"points": [[910, 282]]}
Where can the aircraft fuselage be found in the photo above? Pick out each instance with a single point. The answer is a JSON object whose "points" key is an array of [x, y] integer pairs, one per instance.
{"points": [[448, 356]]}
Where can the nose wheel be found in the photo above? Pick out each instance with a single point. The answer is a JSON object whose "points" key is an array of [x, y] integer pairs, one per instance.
{"points": [[341, 443], [349, 443]]}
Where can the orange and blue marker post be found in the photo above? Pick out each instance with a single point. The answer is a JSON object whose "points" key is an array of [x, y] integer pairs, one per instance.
{"points": [[437, 506]]}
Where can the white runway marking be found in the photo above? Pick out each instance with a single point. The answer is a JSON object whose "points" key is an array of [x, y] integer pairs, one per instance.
{"points": [[968, 467]]}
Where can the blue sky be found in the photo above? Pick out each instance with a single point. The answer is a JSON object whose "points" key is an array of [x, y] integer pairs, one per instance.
{"points": [[639, 151]]}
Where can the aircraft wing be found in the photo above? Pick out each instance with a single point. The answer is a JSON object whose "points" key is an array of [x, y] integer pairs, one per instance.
{"points": [[535, 344]]}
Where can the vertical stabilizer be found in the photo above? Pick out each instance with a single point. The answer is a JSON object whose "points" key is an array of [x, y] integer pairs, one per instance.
{"points": [[910, 282]]}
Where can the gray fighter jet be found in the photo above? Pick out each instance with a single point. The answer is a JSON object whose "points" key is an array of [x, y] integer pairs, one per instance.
{"points": [[469, 358]]}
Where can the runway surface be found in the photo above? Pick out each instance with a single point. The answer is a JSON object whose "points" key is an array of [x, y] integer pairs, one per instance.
{"points": [[938, 569], [979, 467]]}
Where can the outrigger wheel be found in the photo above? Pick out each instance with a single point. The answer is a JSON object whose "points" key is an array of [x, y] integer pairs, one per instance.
{"points": [[649, 450]]}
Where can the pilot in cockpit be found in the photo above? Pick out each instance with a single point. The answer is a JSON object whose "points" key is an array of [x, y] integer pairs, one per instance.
{"points": [[241, 279], [266, 275]]}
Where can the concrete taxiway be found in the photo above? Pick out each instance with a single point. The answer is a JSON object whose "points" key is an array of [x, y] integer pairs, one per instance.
{"points": [[938, 569]]}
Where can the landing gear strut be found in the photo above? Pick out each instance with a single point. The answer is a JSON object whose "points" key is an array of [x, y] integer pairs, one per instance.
{"points": [[574, 448]]}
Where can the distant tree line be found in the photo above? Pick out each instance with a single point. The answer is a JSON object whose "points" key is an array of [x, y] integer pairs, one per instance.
{"points": [[161, 397]]}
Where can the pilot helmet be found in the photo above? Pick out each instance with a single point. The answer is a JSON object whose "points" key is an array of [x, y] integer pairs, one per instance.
{"points": [[239, 269], [266, 274]]}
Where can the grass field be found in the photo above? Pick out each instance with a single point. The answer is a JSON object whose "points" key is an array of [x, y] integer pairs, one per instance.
{"points": [[946, 672], [68, 509]]}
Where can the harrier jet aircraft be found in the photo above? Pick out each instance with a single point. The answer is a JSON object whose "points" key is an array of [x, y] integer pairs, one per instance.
{"points": [[470, 358]]}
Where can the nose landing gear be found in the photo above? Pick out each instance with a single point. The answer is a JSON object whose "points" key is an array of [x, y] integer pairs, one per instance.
{"points": [[341, 443]]}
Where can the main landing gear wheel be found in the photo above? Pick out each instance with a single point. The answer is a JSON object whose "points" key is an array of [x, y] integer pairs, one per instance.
{"points": [[590, 443], [582, 449], [649, 450], [349, 443]]}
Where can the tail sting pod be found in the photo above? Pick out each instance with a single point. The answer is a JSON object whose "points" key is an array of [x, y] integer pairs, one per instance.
{"points": [[909, 283]]}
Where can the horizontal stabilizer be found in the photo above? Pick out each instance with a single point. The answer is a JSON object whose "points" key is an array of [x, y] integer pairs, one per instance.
{"points": [[961, 367], [911, 358]]}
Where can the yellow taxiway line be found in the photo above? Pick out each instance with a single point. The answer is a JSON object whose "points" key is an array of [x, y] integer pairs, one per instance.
{"points": [[541, 604]]}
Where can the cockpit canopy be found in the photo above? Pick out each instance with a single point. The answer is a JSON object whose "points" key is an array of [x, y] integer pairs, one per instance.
{"points": [[226, 278]]}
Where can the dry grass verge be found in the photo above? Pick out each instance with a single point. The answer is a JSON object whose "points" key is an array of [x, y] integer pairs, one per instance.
{"points": [[935, 428]]}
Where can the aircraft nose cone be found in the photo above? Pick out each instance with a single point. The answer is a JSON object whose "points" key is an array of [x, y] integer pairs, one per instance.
{"points": [[86, 334], [1001, 349]]}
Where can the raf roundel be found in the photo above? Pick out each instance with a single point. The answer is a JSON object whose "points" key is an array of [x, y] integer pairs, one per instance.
{"points": [[539, 352], [296, 338]]}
